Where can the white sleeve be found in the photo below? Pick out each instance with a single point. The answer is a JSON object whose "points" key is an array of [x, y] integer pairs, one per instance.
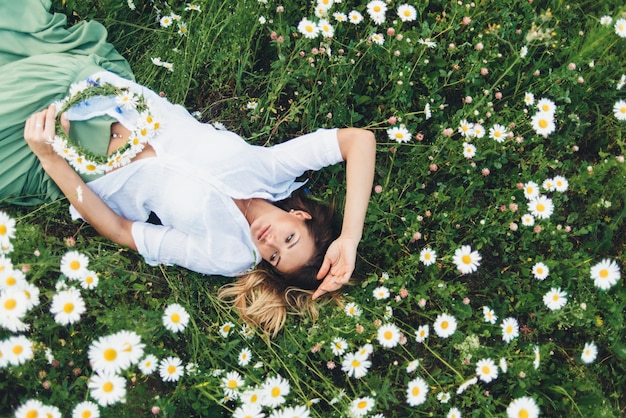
{"points": [[312, 151], [160, 244]]}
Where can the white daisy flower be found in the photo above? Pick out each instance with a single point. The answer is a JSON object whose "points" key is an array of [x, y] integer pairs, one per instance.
{"points": [[548, 185], [171, 369], [528, 220], [74, 265], [427, 112], [412, 366], [444, 397], [148, 364], [89, 280], [619, 110], [131, 345], [226, 328], [86, 409], [376, 9], [175, 318], [12, 278], [275, 389], [427, 42], [326, 4], [466, 129], [531, 190], [510, 329], [523, 52], [540, 271], [246, 410], [340, 17], [478, 130], [127, 100], [32, 295], [326, 28], [232, 384], [360, 407], [498, 133], [30, 408], [529, 99], [19, 349], [381, 293], [339, 346], [416, 392], [606, 20], [107, 355], [166, 21], [537, 361], [560, 184], [13, 307], [7, 228], [469, 150], [445, 325], [486, 370], [605, 274], [541, 207], [620, 27], [67, 306], [355, 17], [407, 13], [254, 396], [352, 309], [466, 384], [366, 350], [399, 134], [454, 413], [466, 260], [107, 388], [422, 333], [523, 407], [308, 28], [489, 315], [503, 365], [355, 365], [543, 123], [428, 256], [378, 38], [546, 106], [590, 352], [245, 357], [389, 335]]}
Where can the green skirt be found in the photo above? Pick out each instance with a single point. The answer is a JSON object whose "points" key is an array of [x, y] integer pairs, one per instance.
{"points": [[39, 59]]}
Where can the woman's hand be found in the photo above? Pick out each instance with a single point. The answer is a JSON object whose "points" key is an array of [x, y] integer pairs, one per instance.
{"points": [[338, 266], [39, 131]]}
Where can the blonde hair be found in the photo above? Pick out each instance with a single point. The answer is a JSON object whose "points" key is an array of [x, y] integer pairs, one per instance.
{"points": [[264, 297]]}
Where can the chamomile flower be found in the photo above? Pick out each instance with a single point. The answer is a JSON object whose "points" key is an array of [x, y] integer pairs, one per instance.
{"points": [[107, 355], [275, 389], [528, 220], [531, 190], [548, 185], [32, 295], [543, 123], [248, 411], [360, 407], [13, 307], [540, 271], [166, 21], [175, 318], [12, 278], [510, 329], [378, 38], [443, 397], [131, 345], [422, 333], [486, 370], [355, 17], [107, 388], [74, 265], [466, 384], [326, 4], [454, 413], [171, 369], [427, 112], [30, 408], [253, 396], [5, 266], [489, 315], [555, 299], [529, 99], [232, 384], [466, 260], [399, 134], [127, 100], [86, 409], [469, 150], [416, 392], [590, 352], [412, 366], [245, 357], [193, 7], [523, 51], [605, 274], [148, 364], [444, 325], [67, 306], [355, 365], [19, 349], [503, 365], [339, 346], [298, 411], [381, 293], [498, 133], [466, 129], [541, 207], [352, 309], [560, 184], [89, 280], [478, 130], [226, 328], [340, 17], [7, 228], [308, 28], [428, 256], [620, 27], [389, 335], [537, 361], [606, 20], [376, 9], [619, 110], [546, 106], [523, 407], [407, 13], [326, 28]]}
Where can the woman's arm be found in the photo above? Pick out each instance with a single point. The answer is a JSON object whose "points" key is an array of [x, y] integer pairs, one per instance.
{"points": [[38, 131], [358, 148]]}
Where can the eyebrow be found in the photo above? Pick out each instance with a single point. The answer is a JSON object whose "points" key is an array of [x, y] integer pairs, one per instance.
{"points": [[289, 247]]}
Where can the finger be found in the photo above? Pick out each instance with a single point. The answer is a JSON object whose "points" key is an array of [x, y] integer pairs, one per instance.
{"points": [[324, 269], [49, 119], [319, 292], [65, 124]]}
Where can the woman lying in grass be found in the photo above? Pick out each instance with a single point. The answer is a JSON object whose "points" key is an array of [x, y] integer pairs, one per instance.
{"points": [[119, 152]]}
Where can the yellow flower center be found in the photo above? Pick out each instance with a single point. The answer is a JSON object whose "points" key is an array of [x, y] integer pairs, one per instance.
{"points": [[399, 135], [232, 384], [543, 123], [89, 279], [377, 9], [486, 370], [32, 414], [68, 307], [509, 329], [407, 13], [523, 414], [356, 363], [388, 335], [275, 392], [444, 324], [75, 265], [539, 270], [107, 387], [415, 391], [254, 398], [86, 414], [497, 134], [540, 207], [227, 328], [3, 229], [604, 273], [110, 354], [176, 318], [17, 350], [171, 369], [361, 405], [90, 167], [10, 304], [309, 28], [466, 259], [555, 298]]}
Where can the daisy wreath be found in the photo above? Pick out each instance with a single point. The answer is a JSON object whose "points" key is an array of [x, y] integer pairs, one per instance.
{"points": [[86, 162]]}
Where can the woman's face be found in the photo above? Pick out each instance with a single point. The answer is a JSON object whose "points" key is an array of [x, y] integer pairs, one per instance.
{"points": [[283, 239]]}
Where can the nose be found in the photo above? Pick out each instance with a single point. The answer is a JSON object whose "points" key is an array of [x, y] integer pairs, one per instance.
{"points": [[269, 238]]}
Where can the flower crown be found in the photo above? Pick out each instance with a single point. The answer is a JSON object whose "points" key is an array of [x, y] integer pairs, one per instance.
{"points": [[86, 162]]}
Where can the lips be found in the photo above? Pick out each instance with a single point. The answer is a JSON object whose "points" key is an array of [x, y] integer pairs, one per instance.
{"points": [[263, 232]]}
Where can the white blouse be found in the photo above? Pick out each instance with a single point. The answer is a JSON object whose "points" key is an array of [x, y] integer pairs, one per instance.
{"points": [[191, 183]]}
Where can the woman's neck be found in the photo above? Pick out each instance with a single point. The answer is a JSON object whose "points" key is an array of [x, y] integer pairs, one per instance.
{"points": [[252, 208]]}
